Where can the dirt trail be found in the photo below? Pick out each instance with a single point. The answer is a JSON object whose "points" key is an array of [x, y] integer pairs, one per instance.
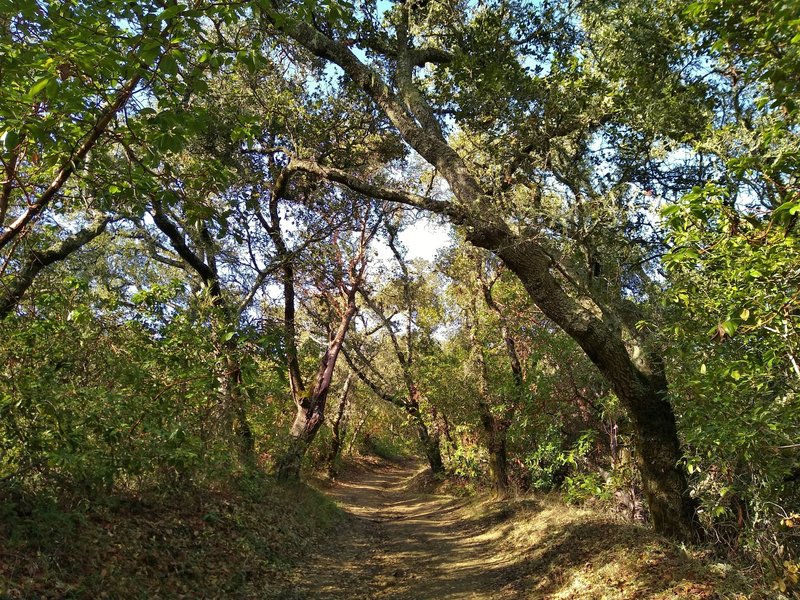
{"points": [[398, 544]]}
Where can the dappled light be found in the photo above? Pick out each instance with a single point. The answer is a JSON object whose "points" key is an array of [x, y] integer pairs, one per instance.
{"points": [[401, 545], [400, 299]]}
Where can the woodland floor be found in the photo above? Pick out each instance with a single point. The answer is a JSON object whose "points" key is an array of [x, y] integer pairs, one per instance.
{"points": [[376, 534], [398, 542]]}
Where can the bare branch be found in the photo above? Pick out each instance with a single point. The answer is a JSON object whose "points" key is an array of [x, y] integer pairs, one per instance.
{"points": [[379, 192]]}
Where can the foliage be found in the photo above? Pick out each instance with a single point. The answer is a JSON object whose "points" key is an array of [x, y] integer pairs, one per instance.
{"points": [[93, 401], [549, 133], [735, 349], [760, 37], [732, 305]]}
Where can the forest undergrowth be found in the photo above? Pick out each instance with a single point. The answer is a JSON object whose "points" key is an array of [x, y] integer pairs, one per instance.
{"points": [[546, 245]]}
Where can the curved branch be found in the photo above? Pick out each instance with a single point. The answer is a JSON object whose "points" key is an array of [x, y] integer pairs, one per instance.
{"points": [[374, 387], [372, 190], [70, 164], [206, 273], [15, 290]]}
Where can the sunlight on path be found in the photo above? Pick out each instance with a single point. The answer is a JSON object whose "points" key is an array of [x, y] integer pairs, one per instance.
{"points": [[398, 543], [404, 545]]}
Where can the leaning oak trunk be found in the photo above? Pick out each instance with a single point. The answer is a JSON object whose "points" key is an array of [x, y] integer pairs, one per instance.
{"points": [[638, 381], [659, 459], [430, 443], [311, 409], [431, 447], [307, 421]]}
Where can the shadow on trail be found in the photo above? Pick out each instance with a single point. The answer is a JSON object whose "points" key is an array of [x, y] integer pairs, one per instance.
{"points": [[398, 544]]}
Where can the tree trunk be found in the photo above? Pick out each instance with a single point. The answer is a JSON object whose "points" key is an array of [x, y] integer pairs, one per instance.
{"points": [[498, 464], [339, 428], [430, 442], [638, 380], [244, 434], [233, 419], [356, 430], [494, 426], [311, 409], [431, 447], [307, 421], [659, 457], [495, 429]]}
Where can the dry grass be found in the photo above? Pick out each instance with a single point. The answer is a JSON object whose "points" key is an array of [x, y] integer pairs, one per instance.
{"points": [[565, 552], [392, 538]]}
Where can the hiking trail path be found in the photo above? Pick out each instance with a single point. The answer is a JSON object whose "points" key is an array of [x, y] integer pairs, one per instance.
{"points": [[398, 543]]}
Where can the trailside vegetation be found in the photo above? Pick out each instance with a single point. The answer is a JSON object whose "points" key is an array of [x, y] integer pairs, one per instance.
{"points": [[210, 226]]}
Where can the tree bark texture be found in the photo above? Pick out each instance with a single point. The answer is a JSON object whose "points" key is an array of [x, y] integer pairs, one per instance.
{"points": [[431, 442], [310, 403], [311, 407], [495, 430]]}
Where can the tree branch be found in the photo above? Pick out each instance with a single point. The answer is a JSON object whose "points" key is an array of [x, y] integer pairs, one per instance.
{"points": [[39, 260], [372, 190], [176, 238]]}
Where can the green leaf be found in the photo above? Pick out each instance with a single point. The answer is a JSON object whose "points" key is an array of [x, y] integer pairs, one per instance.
{"points": [[150, 51], [729, 327], [670, 210], [169, 66], [52, 88], [169, 12], [9, 140], [40, 85]]}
